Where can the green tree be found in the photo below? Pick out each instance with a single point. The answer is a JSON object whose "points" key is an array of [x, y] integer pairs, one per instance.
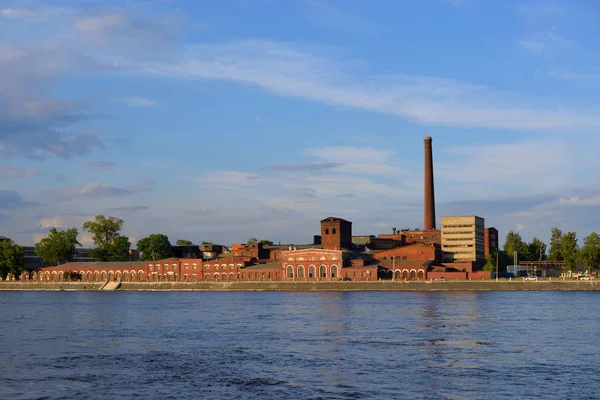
{"points": [[555, 252], [537, 250], [12, 259], [110, 244], [154, 247], [182, 242], [252, 241], [265, 242], [58, 246], [513, 243], [590, 251], [490, 263], [570, 250], [503, 261]]}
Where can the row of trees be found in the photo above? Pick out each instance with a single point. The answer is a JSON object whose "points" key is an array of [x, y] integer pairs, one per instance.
{"points": [[110, 245], [563, 247]]}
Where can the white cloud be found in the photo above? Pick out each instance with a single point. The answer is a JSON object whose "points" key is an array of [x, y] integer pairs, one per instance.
{"points": [[289, 71]]}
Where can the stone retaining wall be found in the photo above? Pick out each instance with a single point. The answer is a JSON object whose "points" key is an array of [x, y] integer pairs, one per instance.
{"points": [[483, 285]]}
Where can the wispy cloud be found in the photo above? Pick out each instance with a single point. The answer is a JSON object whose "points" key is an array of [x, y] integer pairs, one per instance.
{"points": [[13, 172], [100, 164], [289, 71], [11, 200], [127, 209], [94, 191], [305, 167], [136, 101], [574, 76], [21, 14], [544, 41]]}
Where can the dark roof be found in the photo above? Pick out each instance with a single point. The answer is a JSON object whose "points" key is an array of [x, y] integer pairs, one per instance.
{"points": [[97, 264], [335, 219], [264, 266]]}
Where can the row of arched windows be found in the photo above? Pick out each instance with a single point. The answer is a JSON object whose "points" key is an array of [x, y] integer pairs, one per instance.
{"points": [[301, 272]]}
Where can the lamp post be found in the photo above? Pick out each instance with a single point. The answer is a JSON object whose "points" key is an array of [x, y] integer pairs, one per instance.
{"points": [[496, 265]]}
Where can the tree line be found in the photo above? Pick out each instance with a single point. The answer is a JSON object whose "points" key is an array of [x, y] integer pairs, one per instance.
{"points": [[60, 246], [562, 247]]}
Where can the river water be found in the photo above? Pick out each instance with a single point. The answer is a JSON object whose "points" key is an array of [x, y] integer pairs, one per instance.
{"points": [[275, 345]]}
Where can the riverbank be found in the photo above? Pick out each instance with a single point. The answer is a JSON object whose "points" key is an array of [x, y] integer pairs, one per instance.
{"points": [[481, 285]]}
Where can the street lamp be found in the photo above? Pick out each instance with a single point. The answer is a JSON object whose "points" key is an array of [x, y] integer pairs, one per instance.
{"points": [[496, 265]]}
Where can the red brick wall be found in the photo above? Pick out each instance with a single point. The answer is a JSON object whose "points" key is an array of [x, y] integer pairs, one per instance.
{"points": [[336, 234], [480, 275], [410, 252], [449, 275]]}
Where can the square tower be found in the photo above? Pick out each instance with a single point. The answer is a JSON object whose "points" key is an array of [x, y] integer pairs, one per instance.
{"points": [[336, 233]]}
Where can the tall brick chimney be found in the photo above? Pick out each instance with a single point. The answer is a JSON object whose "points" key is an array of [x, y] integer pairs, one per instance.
{"points": [[429, 214]]}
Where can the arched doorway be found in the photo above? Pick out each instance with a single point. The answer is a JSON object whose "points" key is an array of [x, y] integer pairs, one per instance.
{"points": [[133, 276], [334, 271], [421, 275], [224, 276], [312, 271], [413, 274], [405, 274], [301, 271], [103, 275], [397, 274], [111, 276], [216, 276]]}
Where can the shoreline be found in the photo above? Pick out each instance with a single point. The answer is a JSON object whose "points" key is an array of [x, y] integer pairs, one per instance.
{"points": [[422, 286]]}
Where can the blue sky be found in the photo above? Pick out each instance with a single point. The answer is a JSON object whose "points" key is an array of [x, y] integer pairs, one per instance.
{"points": [[227, 120]]}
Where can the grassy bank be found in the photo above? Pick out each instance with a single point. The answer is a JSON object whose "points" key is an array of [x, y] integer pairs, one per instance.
{"points": [[480, 285]]}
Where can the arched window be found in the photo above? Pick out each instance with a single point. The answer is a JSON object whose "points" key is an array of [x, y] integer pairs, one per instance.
{"points": [[312, 272], [334, 271], [421, 274], [333, 231], [323, 271], [301, 271], [289, 272], [327, 231]]}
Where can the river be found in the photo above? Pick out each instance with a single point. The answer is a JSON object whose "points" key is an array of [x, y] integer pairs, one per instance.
{"points": [[282, 345]]}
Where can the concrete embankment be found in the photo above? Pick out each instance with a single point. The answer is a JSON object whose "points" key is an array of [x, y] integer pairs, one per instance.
{"points": [[487, 285]]}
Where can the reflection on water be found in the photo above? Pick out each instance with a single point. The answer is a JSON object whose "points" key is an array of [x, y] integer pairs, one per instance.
{"points": [[356, 345]]}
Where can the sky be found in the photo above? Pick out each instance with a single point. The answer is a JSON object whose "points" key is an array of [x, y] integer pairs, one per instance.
{"points": [[223, 121]]}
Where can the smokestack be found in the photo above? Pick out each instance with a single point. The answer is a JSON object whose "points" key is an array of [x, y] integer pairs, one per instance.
{"points": [[429, 214]]}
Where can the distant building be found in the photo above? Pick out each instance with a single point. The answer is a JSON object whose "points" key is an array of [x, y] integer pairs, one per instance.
{"points": [[187, 251], [463, 239], [490, 241]]}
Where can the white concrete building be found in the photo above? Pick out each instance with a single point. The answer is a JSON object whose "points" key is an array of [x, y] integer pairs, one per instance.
{"points": [[463, 238]]}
